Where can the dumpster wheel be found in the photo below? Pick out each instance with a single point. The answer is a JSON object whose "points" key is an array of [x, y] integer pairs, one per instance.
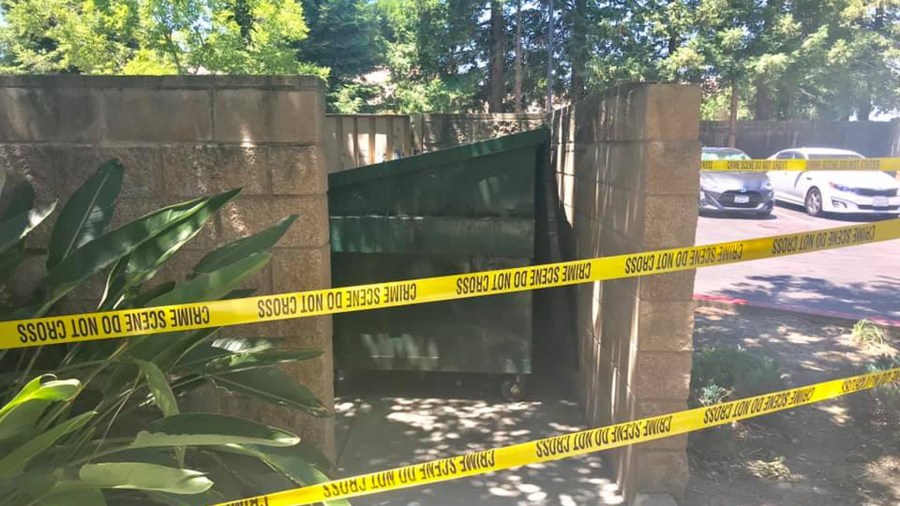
{"points": [[513, 389]]}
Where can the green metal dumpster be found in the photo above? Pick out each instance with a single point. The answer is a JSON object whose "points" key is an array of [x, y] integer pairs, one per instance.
{"points": [[464, 209]]}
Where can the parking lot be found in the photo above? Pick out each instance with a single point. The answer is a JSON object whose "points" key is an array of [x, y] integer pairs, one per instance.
{"points": [[861, 280]]}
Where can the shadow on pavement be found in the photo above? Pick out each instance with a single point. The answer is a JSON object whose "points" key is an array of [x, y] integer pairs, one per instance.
{"points": [[874, 298], [847, 218], [839, 452], [385, 420]]}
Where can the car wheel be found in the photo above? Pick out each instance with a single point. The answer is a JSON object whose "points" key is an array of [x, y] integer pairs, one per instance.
{"points": [[813, 202]]}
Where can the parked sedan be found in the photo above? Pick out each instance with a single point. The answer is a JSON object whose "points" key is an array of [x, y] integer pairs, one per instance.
{"points": [[734, 192], [833, 191]]}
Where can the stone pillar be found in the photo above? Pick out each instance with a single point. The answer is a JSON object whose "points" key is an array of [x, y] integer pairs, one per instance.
{"points": [[181, 137], [632, 187]]}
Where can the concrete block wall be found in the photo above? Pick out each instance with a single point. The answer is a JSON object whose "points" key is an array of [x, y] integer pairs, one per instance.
{"points": [[627, 172], [184, 137]]}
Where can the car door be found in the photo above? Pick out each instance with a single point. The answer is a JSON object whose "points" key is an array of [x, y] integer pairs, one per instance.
{"points": [[799, 180], [782, 180]]}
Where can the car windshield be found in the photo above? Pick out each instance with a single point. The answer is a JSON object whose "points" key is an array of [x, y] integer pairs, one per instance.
{"points": [[840, 156], [724, 155]]}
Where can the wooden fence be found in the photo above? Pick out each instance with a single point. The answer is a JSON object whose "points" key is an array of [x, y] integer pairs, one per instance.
{"points": [[355, 140]]}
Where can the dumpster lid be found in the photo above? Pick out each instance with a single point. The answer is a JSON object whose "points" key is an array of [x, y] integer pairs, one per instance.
{"points": [[441, 157]]}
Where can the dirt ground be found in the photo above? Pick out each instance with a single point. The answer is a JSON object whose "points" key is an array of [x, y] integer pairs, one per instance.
{"points": [[843, 452]]}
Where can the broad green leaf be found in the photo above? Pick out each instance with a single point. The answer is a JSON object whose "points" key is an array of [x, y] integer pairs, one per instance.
{"points": [[142, 476], [87, 497], [220, 348], [204, 429], [20, 415], [141, 299], [159, 387], [86, 213], [13, 230], [19, 200], [165, 349], [102, 252], [15, 461], [294, 461], [271, 385], [256, 476], [145, 261], [214, 285], [45, 387], [165, 357], [242, 248], [217, 358], [184, 342], [303, 463]]}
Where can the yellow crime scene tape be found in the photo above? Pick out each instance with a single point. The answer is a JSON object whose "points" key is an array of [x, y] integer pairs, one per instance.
{"points": [[882, 164], [571, 444], [199, 315]]}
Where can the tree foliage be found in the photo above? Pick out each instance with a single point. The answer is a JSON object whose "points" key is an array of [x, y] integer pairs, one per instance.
{"points": [[154, 36], [827, 59]]}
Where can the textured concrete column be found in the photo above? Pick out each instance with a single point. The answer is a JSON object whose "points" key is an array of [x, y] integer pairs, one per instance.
{"points": [[633, 187]]}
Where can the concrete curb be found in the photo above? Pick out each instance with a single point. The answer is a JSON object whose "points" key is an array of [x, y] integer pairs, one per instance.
{"points": [[725, 302]]}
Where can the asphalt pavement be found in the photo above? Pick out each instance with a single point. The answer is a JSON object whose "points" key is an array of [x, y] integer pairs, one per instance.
{"points": [[860, 280]]}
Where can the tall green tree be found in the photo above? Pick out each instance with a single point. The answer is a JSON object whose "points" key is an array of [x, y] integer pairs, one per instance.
{"points": [[343, 37], [153, 36]]}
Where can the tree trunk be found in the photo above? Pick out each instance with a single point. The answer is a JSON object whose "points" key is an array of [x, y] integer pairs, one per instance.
{"points": [[763, 100], [578, 49], [498, 58], [732, 117], [864, 109], [550, 58], [517, 90]]}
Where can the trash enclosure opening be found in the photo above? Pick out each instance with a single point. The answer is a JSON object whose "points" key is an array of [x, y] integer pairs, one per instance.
{"points": [[465, 209]]}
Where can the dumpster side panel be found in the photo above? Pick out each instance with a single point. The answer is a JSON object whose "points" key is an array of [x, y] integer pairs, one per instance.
{"points": [[465, 210]]}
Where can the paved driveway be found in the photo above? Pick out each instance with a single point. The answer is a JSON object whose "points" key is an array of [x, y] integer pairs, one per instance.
{"points": [[860, 280]]}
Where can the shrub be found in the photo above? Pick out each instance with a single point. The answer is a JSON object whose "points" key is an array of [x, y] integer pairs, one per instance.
{"points": [[888, 394], [112, 431], [724, 372], [868, 334]]}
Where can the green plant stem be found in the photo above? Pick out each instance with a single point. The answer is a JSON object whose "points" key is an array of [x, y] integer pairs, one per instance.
{"points": [[27, 372], [60, 409], [108, 451], [118, 410]]}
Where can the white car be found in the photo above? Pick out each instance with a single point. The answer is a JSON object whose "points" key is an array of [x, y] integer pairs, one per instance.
{"points": [[833, 191]]}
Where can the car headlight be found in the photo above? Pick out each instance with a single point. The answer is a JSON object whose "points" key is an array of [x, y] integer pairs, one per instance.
{"points": [[767, 186], [842, 188]]}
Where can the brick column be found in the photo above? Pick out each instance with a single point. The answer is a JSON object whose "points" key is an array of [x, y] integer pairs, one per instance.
{"points": [[633, 187]]}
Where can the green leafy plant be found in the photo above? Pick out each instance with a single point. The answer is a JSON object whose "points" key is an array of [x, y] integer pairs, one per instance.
{"points": [[102, 422], [712, 394], [888, 394], [867, 333], [718, 372]]}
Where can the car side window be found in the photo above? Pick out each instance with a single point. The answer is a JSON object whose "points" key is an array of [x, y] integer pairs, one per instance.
{"points": [[789, 155]]}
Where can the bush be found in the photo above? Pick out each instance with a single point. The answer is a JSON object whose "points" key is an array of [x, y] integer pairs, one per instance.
{"points": [[112, 431], [868, 334], [888, 394], [718, 373]]}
